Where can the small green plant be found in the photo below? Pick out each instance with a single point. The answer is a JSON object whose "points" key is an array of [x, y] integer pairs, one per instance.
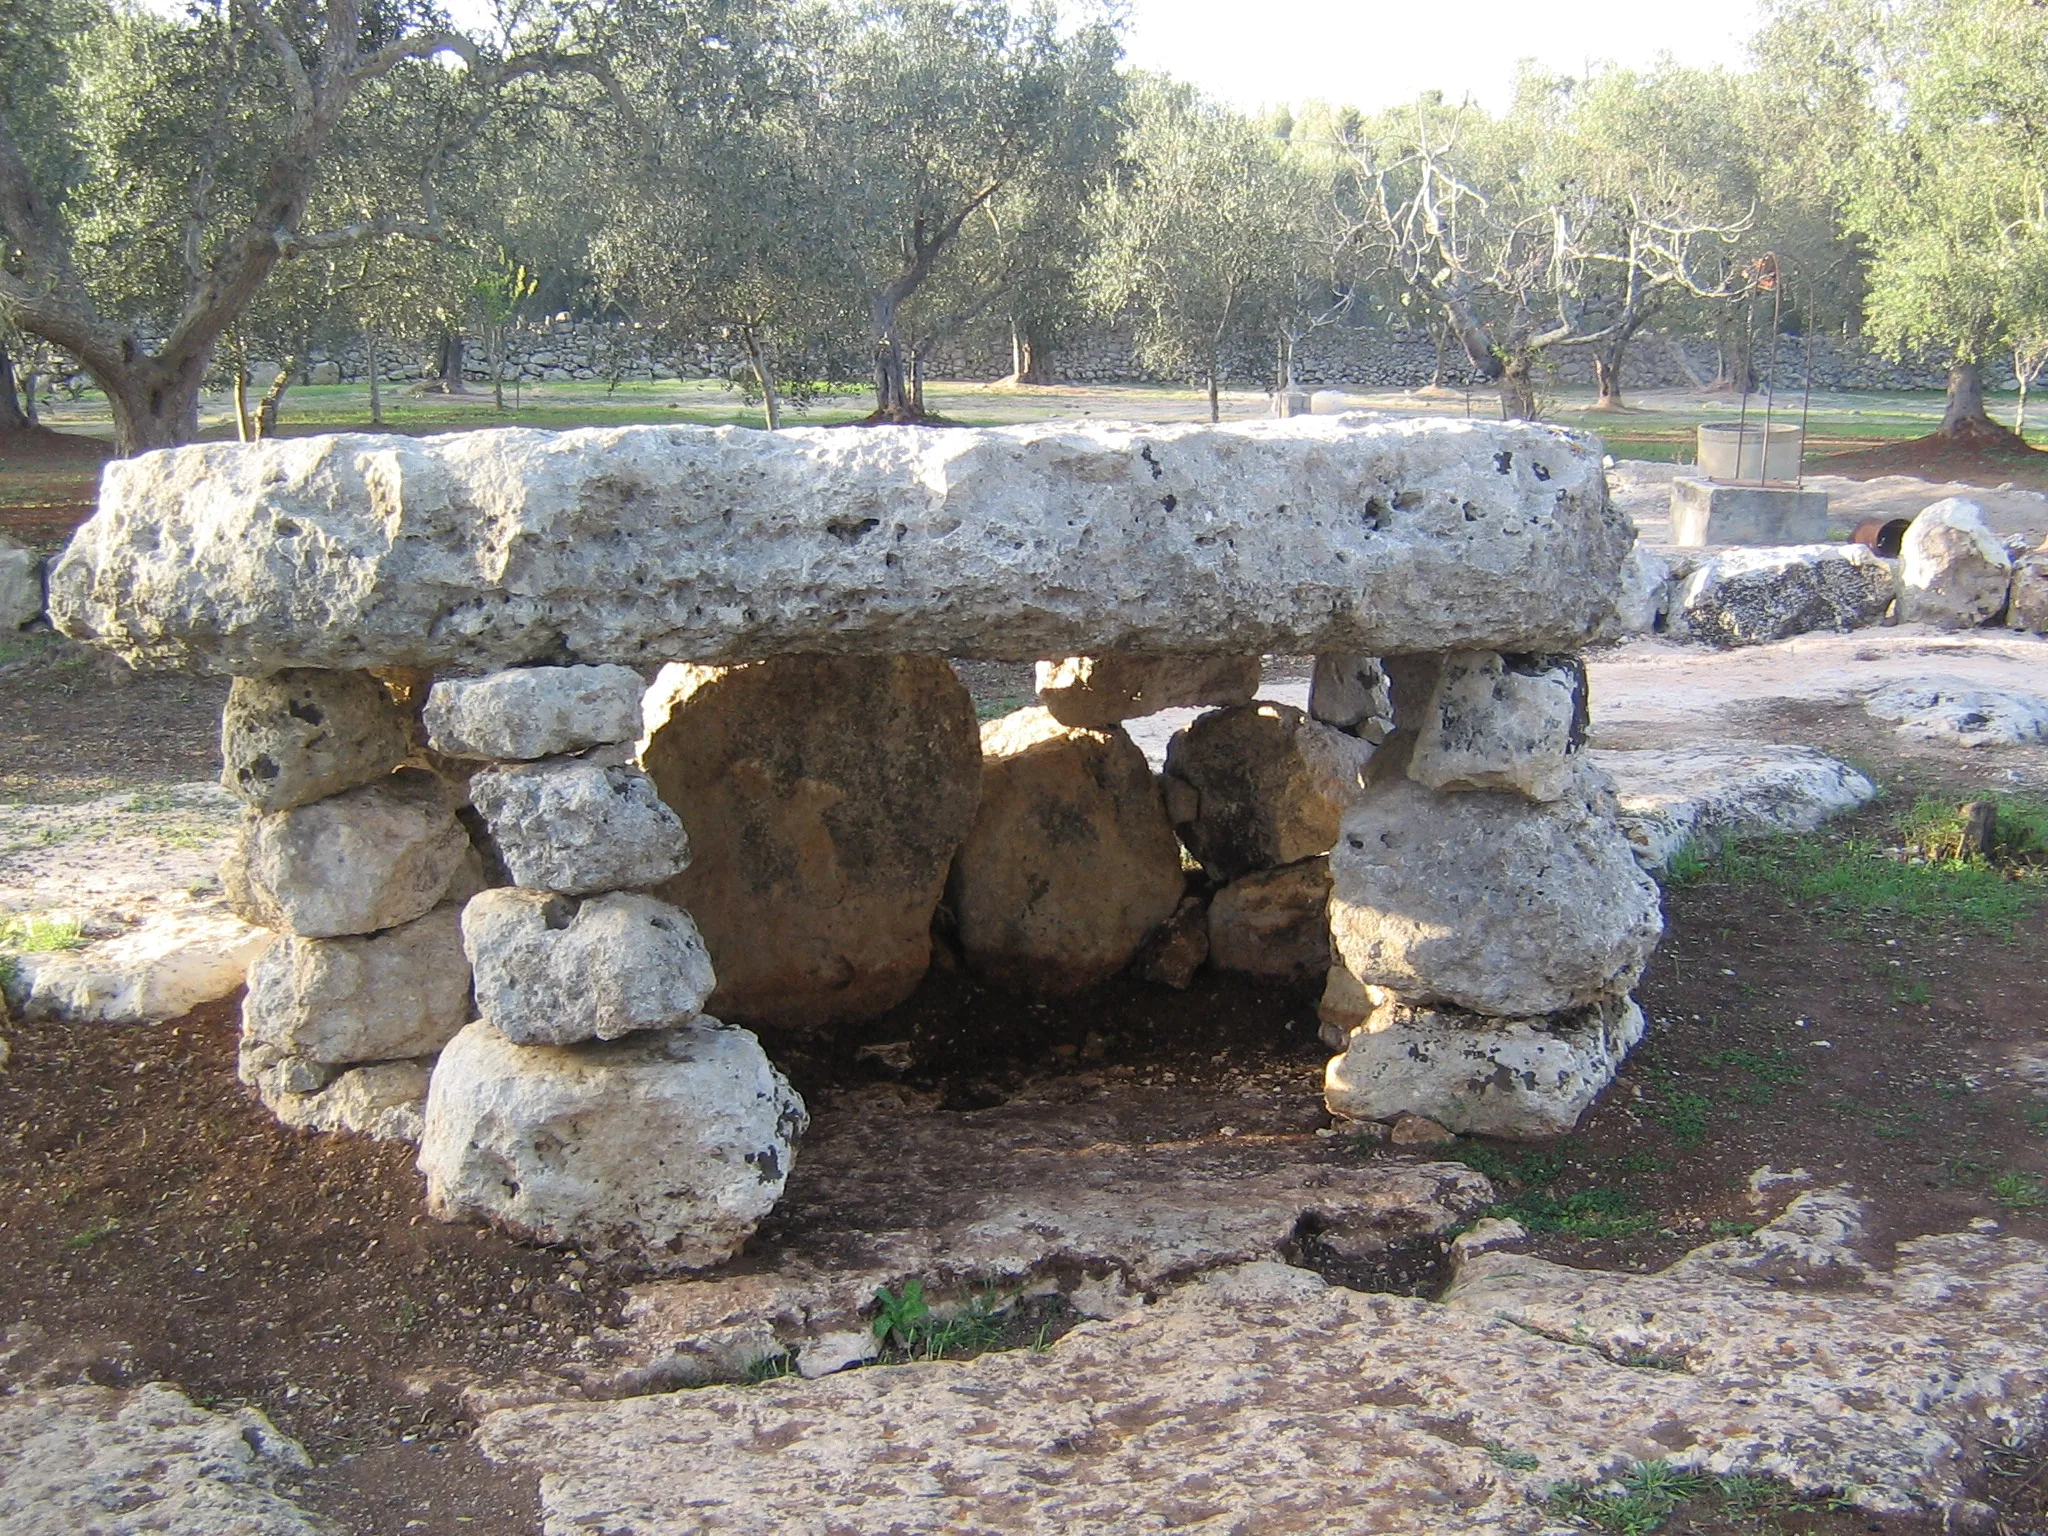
{"points": [[40, 933], [1514, 1461], [1913, 993], [1529, 1168], [768, 1368], [1591, 1214], [2034, 1115], [1767, 1071], [1687, 865], [92, 1232], [995, 709], [1651, 1360], [2017, 1191], [1684, 1115], [409, 1316], [1648, 1492], [899, 1314]]}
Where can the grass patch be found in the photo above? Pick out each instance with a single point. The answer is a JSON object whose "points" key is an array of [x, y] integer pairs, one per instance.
{"points": [[1766, 1071], [1685, 1116], [40, 933], [1588, 1214], [2017, 1191], [1647, 1493], [995, 709], [92, 1232]]}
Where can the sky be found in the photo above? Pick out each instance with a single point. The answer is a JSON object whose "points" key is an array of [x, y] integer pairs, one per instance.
{"points": [[1374, 53]]}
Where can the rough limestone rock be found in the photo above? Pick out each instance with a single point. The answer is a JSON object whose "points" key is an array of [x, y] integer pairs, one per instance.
{"points": [[1960, 715], [1046, 1192], [553, 970], [533, 712], [1489, 903], [1352, 694], [402, 992], [824, 797], [1070, 864], [1519, 1078], [1178, 948], [1752, 596], [1274, 923], [303, 734], [1707, 796], [21, 585], [1503, 722], [580, 827], [666, 1147], [2029, 606], [386, 1101], [1647, 578], [481, 550], [1269, 784], [358, 862], [1344, 1006], [1260, 1398], [274, 1071], [1953, 572], [101, 1461], [1097, 691], [169, 964]]}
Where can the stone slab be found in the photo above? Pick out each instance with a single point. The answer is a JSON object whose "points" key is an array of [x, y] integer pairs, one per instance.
{"points": [[480, 550], [1705, 513], [1707, 796]]}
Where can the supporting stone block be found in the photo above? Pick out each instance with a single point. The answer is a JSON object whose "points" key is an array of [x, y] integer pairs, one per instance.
{"points": [[1704, 512]]}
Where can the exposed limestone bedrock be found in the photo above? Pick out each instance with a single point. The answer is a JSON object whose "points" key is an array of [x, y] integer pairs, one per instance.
{"points": [[486, 549]]}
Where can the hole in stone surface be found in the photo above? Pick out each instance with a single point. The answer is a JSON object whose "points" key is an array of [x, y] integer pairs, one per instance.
{"points": [[1417, 1265], [851, 531]]}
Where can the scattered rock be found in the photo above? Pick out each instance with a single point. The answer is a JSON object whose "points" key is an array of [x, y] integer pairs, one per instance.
{"points": [[533, 712], [1705, 796], [180, 956], [1274, 923], [2028, 608], [1178, 947], [369, 859], [1957, 714], [1502, 722], [824, 797], [386, 1101], [1013, 543], [1490, 903], [1270, 785], [1412, 1130], [1070, 865], [403, 992], [837, 1351], [1647, 579], [303, 734], [1344, 1006], [1488, 1233], [1342, 1410], [580, 827], [553, 970], [1519, 1078], [1752, 596], [1351, 693], [21, 585], [1091, 692], [81, 1461], [1953, 572], [666, 1148]]}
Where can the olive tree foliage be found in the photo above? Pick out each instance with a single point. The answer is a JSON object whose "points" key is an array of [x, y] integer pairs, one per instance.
{"points": [[1936, 147], [1532, 231], [213, 146], [1201, 236]]}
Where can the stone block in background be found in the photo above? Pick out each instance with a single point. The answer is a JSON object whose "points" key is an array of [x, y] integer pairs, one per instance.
{"points": [[533, 712], [1269, 786], [400, 993], [1705, 512], [1754, 596], [1491, 903], [1353, 694], [303, 734], [1071, 863], [2028, 608], [1503, 722], [665, 1148], [358, 862], [580, 827], [1519, 1078], [824, 797], [1097, 691], [1274, 923], [1953, 572], [21, 585], [553, 970]]}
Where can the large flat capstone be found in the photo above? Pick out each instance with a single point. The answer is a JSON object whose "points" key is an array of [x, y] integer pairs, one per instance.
{"points": [[484, 549]]}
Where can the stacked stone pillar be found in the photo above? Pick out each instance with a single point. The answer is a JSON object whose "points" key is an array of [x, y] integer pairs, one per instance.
{"points": [[360, 865], [1487, 914], [592, 1101]]}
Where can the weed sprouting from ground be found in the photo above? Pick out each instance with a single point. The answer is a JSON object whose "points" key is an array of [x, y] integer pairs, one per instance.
{"points": [[1590, 1214], [40, 933], [769, 1368], [1684, 1115], [909, 1328], [2017, 1192], [1643, 1498]]}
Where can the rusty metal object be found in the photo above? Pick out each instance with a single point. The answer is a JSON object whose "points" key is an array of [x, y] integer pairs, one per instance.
{"points": [[1882, 535]]}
